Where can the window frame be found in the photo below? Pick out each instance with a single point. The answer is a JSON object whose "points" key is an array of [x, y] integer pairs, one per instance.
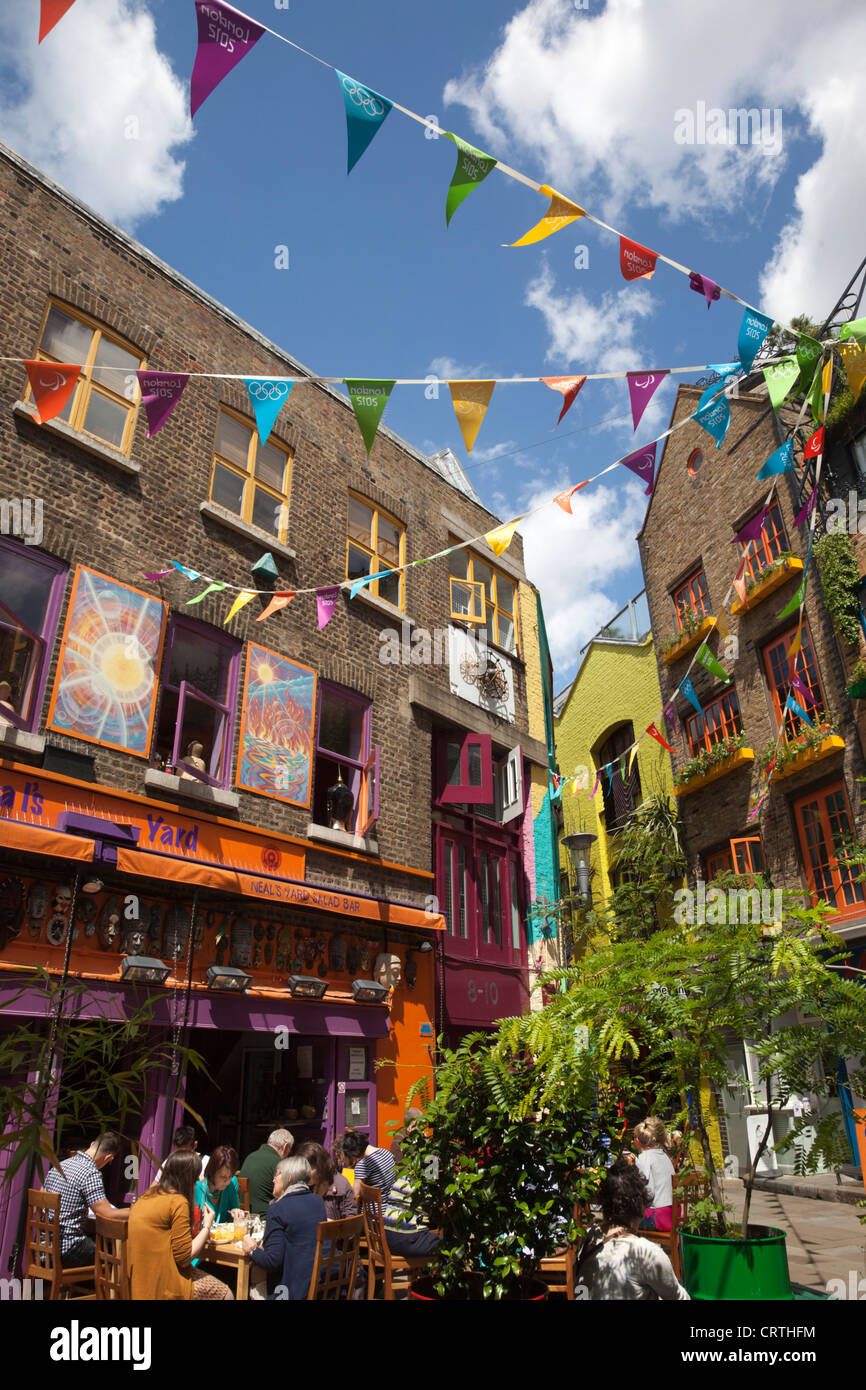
{"points": [[365, 770], [85, 386], [698, 731], [372, 551], [701, 594], [492, 605], [33, 686], [763, 552], [251, 481], [464, 792], [820, 795], [478, 594], [222, 754], [629, 785], [816, 687], [479, 854], [730, 856]]}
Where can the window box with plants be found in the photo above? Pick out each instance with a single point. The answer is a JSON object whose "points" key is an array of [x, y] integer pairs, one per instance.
{"points": [[768, 581], [857, 683], [693, 630], [810, 746], [711, 763]]}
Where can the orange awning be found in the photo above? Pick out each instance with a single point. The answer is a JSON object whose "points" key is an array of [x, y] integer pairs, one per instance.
{"points": [[32, 839], [136, 861]]}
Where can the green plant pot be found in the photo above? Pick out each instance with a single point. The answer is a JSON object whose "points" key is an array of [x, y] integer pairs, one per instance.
{"points": [[715, 1268]]}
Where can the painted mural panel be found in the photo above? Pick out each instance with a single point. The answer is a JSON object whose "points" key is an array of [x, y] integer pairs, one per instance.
{"points": [[275, 756]]}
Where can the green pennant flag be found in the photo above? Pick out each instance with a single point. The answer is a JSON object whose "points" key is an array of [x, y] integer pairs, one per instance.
{"points": [[472, 168], [856, 329], [808, 357], [214, 588], [816, 399], [622, 768], [369, 399], [780, 378], [794, 602], [709, 663]]}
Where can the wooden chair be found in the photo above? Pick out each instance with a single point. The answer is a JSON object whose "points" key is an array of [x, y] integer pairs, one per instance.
{"points": [[110, 1264], [42, 1247], [558, 1271], [244, 1191], [337, 1253], [687, 1188], [395, 1269]]}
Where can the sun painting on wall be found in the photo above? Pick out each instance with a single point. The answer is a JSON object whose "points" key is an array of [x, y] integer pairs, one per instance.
{"points": [[275, 755]]}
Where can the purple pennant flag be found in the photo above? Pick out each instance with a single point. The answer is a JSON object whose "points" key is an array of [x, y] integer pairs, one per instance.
{"points": [[641, 387], [158, 574], [671, 716], [702, 284], [595, 787], [752, 529], [160, 393], [807, 509], [643, 463], [224, 37], [326, 603], [802, 689]]}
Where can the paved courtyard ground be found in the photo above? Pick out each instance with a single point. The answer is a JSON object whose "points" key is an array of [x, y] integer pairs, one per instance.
{"points": [[825, 1239]]}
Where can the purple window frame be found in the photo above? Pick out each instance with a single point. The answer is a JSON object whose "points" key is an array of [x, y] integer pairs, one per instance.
{"points": [[363, 768], [220, 754], [34, 692]]}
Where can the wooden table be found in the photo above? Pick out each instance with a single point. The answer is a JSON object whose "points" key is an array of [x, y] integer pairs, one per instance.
{"points": [[231, 1254]]}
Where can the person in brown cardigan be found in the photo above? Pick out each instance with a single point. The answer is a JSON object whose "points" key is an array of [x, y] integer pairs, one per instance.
{"points": [[335, 1190], [161, 1246]]}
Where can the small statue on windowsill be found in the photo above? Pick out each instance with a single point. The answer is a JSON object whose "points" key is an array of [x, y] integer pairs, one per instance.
{"points": [[339, 803], [6, 701], [193, 758]]}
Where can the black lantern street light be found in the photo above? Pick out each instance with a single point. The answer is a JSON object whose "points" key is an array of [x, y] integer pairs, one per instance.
{"points": [[578, 845]]}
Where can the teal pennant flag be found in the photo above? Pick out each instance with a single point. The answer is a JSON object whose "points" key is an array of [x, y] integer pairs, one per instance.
{"points": [[781, 461], [791, 704], [753, 330], [365, 112], [360, 584], [714, 415], [267, 398], [688, 690]]}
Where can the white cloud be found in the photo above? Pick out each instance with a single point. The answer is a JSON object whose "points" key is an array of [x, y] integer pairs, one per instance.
{"points": [[97, 107], [449, 369], [495, 451]]}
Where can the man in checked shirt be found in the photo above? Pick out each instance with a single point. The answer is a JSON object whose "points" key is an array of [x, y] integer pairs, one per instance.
{"points": [[80, 1186]]}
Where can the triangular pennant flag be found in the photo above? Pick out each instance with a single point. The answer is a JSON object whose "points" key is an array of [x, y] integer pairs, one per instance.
{"points": [[215, 587], [558, 215], [190, 574], [670, 715], [641, 389], [631, 757], [159, 574], [635, 261], [753, 330], [470, 400], [51, 13], [225, 36], [780, 461], [622, 772], [595, 786], [500, 538], [795, 647], [568, 385], [802, 689], [278, 601], [360, 584], [702, 284], [52, 383], [160, 393], [791, 704], [752, 529], [725, 369], [326, 603], [609, 770], [365, 112], [794, 602], [855, 330], [854, 362], [244, 597], [563, 499], [827, 376], [808, 352], [267, 398], [714, 416], [709, 663], [780, 378], [740, 580], [815, 445], [654, 733], [816, 399], [722, 626], [687, 689], [369, 399], [808, 507], [472, 168], [643, 463]]}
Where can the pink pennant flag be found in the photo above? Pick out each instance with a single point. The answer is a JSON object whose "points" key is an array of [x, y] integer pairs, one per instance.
{"points": [[808, 507], [595, 788], [740, 580], [279, 601], [643, 463], [160, 393], [702, 284], [752, 529], [224, 37], [326, 603], [158, 574], [641, 388], [803, 689], [568, 385], [563, 499]]}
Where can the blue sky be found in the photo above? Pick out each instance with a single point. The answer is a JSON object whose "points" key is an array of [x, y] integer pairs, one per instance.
{"points": [[582, 97]]}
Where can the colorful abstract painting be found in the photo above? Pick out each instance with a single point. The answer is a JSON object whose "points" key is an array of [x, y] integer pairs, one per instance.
{"points": [[275, 756], [105, 690]]}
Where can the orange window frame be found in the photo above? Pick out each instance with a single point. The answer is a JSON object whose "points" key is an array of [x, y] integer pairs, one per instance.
{"points": [[776, 666], [769, 545], [692, 596], [721, 720], [819, 816], [744, 855]]}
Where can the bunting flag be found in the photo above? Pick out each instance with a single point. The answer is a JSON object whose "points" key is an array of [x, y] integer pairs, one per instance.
{"points": [[808, 352], [854, 362], [362, 583], [244, 597], [780, 378], [643, 463], [267, 398], [702, 284], [753, 330], [740, 580], [722, 626], [654, 733], [780, 461], [714, 416], [631, 757], [815, 445], [752, 529], [326, 603], [802, 689], [756, 804], [854, 331], [641, 389], [365, 112], [51, 13], [225, 36], [670, 715], [470, 400], [827, 376], [709, 663], [560, 213], [792, 705], [472, 168], [795, 647], [595, 787], [214, 587], [816, 400], [563, 499], [499, 539], [687, 689], [369, 399], [279, 600], [159, 574], [568, 385], [160, 393], [807, 509], [190, 574], [635, 261], [794, 602], [52, 383]]}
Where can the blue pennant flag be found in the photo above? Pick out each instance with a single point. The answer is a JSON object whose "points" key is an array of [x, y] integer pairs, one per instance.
{"points": [[365, 112], [688, 690], [753, 330], [725, 369], [190, 574], [791, 704], [267, 398], [360, 584], [714, 416], [609, 771], [782, 461]]}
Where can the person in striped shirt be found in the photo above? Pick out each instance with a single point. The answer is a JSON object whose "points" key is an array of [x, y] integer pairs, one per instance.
{"points": [[80, 1186], [375, 1167]]}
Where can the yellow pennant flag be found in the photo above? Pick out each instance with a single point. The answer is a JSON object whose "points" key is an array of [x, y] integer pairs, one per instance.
{"points": [[470, 400], [500, 539], [242, 598], [722, 626], [796, 645], [631, 758], [854, 361], [558, 215]]}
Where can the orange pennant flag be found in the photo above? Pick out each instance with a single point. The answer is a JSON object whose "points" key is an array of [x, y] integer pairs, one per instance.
{"points": [[563, 499], [568, 385], [470, 400], [52, 383], [52, 12], [740, 580], [278, 601], [854, 362], [558, 215]]}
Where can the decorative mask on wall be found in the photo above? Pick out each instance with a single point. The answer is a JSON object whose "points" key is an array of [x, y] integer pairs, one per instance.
{"points": [[337, 953], [176, 932], [154, 925], [37, 906], [86, 914], [110, 922], [11, 909], [365, 958], [284, 946], [353, 959], [388, 970], [242, 942]]}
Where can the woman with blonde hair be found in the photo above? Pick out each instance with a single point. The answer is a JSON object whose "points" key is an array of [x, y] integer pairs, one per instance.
{"points": [[650, 1138], [161, 1246]]}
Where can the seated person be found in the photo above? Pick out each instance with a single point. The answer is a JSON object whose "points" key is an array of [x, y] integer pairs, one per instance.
{"points": [[341, 1163], [650, 1138], [288, 1249], [185, 1140], [627, 1266], [260, 1166], [335, 1190], [217, 1188], [405, 1231], [410, 1118], [375, 1167], [161, 1247], [80, 1186]]}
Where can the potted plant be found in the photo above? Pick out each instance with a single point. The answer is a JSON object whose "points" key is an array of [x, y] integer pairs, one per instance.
{"points": [[857, 681]]}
